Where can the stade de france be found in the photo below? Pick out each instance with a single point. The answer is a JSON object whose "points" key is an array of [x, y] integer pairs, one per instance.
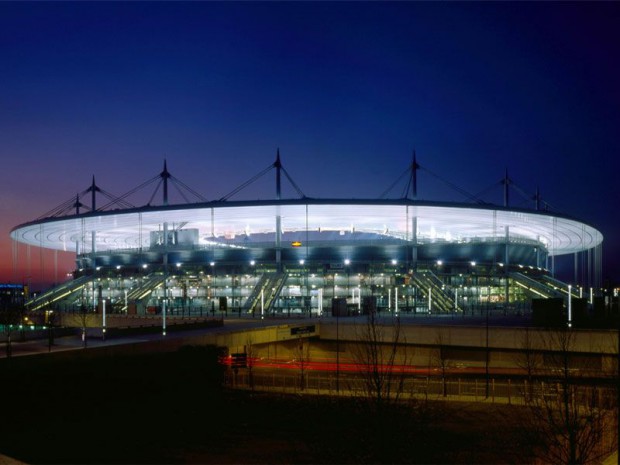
{"points": [[295, 255]]}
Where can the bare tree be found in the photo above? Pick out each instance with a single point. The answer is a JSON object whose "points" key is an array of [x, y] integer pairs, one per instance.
{"points": [[528, 358], [440, 358], [250, 352], [377, 352], [83, 316], [573, 420], [302, 357]]}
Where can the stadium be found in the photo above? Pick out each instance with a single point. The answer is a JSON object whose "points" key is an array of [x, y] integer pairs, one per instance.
{"points": [[295, 255]]}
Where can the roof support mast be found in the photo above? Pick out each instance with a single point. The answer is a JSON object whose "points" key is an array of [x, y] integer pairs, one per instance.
{"points": [[165, 175], [414, 177], [93, 192], [506, 183]]}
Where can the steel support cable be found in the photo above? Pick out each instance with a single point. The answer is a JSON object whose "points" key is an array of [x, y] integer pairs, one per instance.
{"points": [[523, 202], [461, 191], [180, 192], [521, 192], [387, 191], [295, 186], [63, 206], [488, 189], [188, 189], [247, 183], [156, 189], [407, 186], [59, 209], [406, 189], [116, 200], [134, 190]]}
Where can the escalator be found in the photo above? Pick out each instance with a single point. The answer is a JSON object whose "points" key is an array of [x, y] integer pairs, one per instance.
{"points": [[58, 293], [534, 288], [141, 293], [429, 283], [268, 288], [559, 286]]}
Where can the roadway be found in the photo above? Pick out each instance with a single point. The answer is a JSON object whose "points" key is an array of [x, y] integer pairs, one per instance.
{"points": [[94, 338]]}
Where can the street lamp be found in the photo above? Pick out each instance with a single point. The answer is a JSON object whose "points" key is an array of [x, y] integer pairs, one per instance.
{"points": [[347, 262], [252, 264], [305, 296]]}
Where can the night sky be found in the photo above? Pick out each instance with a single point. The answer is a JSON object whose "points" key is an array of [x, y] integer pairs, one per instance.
{"points": [[346, 91]]}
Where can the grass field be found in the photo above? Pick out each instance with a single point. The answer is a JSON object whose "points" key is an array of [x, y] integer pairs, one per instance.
{"points": [[171, 408]]}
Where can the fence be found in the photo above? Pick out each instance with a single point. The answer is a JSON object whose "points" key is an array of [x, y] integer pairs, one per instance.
{"points": [[506, 391]]}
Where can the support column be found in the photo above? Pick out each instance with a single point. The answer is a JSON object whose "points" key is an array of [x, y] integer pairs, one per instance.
{"points": [[93, 248], [164, 309], [414, 240], [507, 274], [576, 268]]}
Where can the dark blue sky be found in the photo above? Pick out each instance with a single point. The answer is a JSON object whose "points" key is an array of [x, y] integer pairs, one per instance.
{"points": [[345, 90]]}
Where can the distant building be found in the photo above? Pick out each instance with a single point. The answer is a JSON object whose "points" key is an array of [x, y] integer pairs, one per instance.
{"points": [[12, 295]]}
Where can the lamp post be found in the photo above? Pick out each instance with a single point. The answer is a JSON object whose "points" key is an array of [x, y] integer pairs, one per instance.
{"points": [[305, 293], [337, 345], [570, 307], [252, 264], [103, 320], [486, 364], [213, 288], [347, 262]]}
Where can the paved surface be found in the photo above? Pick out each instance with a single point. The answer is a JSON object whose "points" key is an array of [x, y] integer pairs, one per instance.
{"points": [[94, 339]]}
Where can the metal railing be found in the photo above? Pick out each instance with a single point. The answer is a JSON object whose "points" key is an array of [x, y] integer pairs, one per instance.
{"points": [[505, 391]]}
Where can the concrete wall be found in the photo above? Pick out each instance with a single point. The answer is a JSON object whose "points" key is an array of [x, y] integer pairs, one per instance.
{"points": [[430, 346], [587, 341]]}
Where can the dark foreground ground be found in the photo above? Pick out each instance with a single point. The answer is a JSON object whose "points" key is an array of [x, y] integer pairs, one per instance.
{"points": [[170, 408]]}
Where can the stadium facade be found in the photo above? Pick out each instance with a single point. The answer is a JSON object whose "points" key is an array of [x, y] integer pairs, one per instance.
{"points": [[296, 255]]}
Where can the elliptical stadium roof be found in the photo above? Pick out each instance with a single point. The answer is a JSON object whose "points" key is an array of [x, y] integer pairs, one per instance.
{"points": [[436, 221]]}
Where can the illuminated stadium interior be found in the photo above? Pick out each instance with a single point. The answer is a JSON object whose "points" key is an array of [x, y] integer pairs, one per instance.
{"points": [[295, 255]]}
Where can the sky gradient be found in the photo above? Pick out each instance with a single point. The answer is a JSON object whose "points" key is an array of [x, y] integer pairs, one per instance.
{"points": [[345, 90]]}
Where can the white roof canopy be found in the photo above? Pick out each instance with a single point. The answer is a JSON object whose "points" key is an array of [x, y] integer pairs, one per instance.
{"points": [[122, 229]]}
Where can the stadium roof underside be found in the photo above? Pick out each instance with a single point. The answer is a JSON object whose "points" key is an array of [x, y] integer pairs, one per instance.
{"points": [[393, 219]]}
